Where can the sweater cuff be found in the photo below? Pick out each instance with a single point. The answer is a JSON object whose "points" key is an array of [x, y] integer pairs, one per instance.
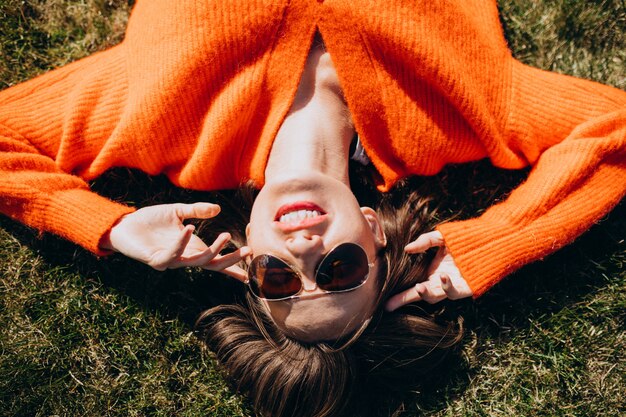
{"points": [[487, 251], [83, 217]]}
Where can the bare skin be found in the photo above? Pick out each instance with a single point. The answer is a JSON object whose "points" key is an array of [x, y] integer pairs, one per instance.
{"points": [[308, 162], [444, 278], [156, 236]]}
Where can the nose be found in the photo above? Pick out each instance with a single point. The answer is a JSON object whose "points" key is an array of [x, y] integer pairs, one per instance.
{"points": [[306, 249], [303, 245]]}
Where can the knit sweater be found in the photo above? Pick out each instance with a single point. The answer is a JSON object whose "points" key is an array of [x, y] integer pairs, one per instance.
{"points": [[198, 90]]}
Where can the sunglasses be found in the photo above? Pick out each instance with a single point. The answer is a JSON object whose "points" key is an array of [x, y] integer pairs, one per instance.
{"points": [[344, 268]]}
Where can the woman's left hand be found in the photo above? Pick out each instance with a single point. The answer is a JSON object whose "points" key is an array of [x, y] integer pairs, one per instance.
{"points": [[444, 278]]}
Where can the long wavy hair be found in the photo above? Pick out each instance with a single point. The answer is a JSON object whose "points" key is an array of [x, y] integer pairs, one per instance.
{"points": [[390, 354]]}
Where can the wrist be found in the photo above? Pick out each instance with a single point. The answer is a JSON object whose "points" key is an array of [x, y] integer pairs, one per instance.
{"points": [[105, 242]]}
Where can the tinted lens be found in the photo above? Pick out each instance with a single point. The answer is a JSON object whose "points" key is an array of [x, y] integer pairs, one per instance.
{"points": [[344, 268], [272, 278]]}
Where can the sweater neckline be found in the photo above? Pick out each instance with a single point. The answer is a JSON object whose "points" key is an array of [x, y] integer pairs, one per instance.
{"points": [[352, 59]]}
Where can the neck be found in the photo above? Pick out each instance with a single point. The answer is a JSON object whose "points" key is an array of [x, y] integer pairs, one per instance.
{"points": [[316, 133], [309, 140]]}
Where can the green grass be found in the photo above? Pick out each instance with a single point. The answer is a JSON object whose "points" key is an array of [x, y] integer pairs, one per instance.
{"points": [[80, 336], [74, 347]]}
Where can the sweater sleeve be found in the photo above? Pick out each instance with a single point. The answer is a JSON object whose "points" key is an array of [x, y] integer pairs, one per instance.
{"points": [[573, 133], [51, 130]]}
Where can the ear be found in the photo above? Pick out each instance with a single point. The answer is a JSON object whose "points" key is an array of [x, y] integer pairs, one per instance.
{"points": [[374, 223], [247, 232]]}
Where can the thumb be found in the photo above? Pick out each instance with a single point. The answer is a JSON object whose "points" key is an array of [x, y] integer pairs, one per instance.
{"points": [[196, 210]]}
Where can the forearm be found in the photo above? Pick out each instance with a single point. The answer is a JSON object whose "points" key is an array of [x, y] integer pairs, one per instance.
{"points": [[52, 131], [41, 196], [573, 185]]}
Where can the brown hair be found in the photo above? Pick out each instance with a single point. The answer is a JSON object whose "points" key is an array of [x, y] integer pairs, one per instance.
{"points": [[395, 352]]}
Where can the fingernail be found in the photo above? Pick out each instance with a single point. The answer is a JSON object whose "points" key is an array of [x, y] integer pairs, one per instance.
{"points": [[245, 251], [444, 279]]}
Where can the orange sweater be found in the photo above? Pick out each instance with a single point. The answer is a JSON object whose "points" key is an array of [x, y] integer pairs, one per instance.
{"points": [[198, 90]]}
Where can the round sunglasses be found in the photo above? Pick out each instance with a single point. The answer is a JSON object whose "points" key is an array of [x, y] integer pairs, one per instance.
{"points": [[344, 268]]}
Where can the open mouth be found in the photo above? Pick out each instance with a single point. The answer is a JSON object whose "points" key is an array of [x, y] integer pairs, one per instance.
{"points": [[299, 215]]}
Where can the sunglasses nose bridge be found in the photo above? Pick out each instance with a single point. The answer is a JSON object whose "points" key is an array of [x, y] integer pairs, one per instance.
{"points": [[308, 285]]}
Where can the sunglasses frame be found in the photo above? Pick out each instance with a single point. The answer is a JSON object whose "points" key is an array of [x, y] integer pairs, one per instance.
{"points": [[299, 274]]}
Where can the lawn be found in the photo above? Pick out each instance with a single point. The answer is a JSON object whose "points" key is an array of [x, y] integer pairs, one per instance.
{"points": [[81, 336]]}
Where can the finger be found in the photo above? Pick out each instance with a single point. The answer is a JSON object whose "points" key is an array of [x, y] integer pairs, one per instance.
{"points": [[405, 297], [196, 210], [195, 248], [432, 293], [205, 256], [236, 272], [211, 259], [165, 259], [448, 287], [224, 261], [219, 243], [424, 242]]}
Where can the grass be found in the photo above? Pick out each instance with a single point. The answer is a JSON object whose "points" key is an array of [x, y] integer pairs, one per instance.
{"points": [[72, 347], [84, 336]]}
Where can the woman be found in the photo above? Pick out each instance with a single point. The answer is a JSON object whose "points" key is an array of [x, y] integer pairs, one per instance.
{"points": [[425, 86]]}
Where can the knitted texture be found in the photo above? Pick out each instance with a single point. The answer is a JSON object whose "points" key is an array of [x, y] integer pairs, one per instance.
{"points": [[198, 89]]}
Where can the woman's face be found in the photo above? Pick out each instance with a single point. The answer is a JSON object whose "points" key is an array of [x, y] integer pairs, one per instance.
{"points": [[333, 217], [306, 207]]}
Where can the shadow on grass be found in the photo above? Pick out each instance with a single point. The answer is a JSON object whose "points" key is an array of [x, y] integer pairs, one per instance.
{"points": [[562, 279], [538, 290]]}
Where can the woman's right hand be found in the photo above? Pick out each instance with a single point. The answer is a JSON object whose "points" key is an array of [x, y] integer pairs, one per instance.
{"points": [[156, 236]]}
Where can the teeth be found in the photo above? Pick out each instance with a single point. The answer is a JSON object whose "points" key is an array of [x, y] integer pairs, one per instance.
{"points": [[298, 216]]}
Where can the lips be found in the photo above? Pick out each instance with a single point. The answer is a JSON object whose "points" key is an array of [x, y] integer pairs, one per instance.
{"points": [[299, 215]]}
